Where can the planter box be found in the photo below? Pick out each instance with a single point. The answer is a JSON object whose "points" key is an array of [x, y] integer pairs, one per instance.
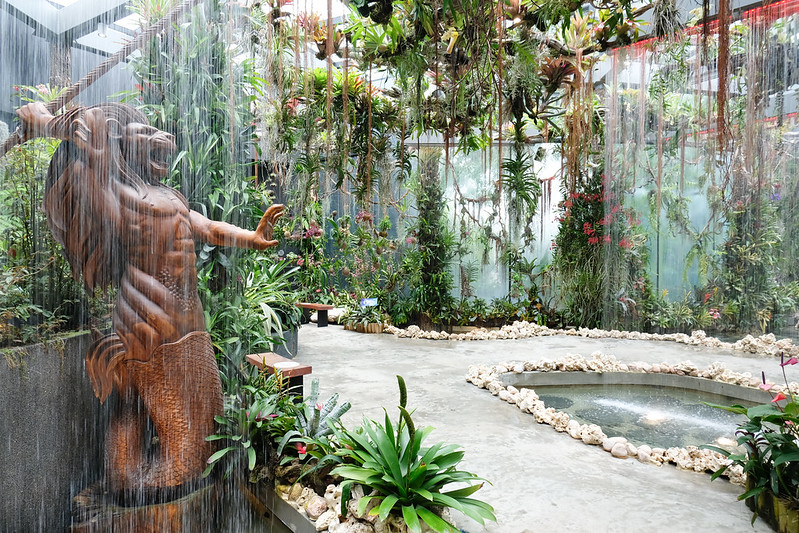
{"points": [[283, 511], [373, 327], [775, 512]]}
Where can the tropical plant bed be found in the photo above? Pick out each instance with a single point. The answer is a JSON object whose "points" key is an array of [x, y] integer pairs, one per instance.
{"points": [[302, 442], [303, 510]]}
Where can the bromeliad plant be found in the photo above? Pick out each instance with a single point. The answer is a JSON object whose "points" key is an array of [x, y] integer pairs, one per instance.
{"points": [[770, 440], [364, 315], [407, 478], [244, 428], [313, 424]]}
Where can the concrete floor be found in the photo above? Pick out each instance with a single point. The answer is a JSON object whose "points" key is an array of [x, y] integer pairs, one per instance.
{"points": [[542, 481]]}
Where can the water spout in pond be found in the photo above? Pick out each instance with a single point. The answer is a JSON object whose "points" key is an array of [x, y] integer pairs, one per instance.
{"points": [[652, 417], [656, 416]]}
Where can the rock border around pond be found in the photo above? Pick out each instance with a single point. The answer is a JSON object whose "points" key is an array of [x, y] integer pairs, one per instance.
{"points": [[766, 345], [688, 458]]}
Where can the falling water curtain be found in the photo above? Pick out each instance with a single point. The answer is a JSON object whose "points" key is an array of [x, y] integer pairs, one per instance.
{"points": [[714, 213]]}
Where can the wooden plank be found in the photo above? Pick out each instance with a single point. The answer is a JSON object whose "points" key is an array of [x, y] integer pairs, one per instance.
{"points": [[315, 307], [272, 362]]}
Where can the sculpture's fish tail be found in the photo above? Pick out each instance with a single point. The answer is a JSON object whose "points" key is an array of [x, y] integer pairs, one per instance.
{"points": [[104, 355]]}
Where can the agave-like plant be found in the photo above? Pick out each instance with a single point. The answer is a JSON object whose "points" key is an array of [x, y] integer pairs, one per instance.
{"points": [[314, 421], [407, 478]]}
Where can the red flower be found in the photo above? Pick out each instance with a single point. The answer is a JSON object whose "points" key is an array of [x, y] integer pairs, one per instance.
{"points": [[778, 397], [707, 297], [606, 239], [791, 361], [301, 448], [624, 243], [593, 240]]}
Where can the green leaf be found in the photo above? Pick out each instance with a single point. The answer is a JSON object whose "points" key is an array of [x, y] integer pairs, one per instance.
{"points": [[785, 458], [761, 410], [251, 457], [739, 409], [751, 492], [221, 453], [411, 519], [476, 510], [465, 491], [346, 491], [434, 521], [386, 505], [364, 502], [387, 451]]}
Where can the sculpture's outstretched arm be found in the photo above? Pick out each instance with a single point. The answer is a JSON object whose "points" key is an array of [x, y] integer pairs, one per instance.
{"points": [[224, 234]]}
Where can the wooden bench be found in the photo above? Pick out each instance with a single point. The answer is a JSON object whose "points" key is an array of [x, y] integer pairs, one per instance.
{"points": [[321, 309], [272, 363]]}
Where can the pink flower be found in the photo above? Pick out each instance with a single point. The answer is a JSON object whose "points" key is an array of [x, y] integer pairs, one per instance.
{"points": [[778, 397], [714, 313], [791, 361], [624, 243], [300, 261], [301, 448], [319, 406], [606, 239], [593, 240], [363, 216], [765, 386]]}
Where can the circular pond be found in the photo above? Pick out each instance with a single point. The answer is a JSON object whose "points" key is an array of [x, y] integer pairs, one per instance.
{"points": [[645, 414]]}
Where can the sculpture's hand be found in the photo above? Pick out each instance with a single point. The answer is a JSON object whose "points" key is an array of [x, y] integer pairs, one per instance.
{"points": [[263, 233], [34, 118]]}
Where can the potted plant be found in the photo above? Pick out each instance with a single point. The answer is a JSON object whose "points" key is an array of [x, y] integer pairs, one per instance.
{"points": [[268, 289], [405, 477], [769, 456], [364, 320]]}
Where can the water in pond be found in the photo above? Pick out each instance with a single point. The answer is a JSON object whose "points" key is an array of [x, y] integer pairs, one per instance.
{"points": [[657, 416]]}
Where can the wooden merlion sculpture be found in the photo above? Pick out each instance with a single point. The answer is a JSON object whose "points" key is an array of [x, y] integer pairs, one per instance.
{"points": [[119, 226]]}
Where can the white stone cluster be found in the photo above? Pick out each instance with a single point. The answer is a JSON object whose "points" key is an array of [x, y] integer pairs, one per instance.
{"points": [[765, 345], [324, 511], [688, 458]]}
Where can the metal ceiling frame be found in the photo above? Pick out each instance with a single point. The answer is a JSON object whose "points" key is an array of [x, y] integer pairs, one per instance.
{"points": [[69, 22]]}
